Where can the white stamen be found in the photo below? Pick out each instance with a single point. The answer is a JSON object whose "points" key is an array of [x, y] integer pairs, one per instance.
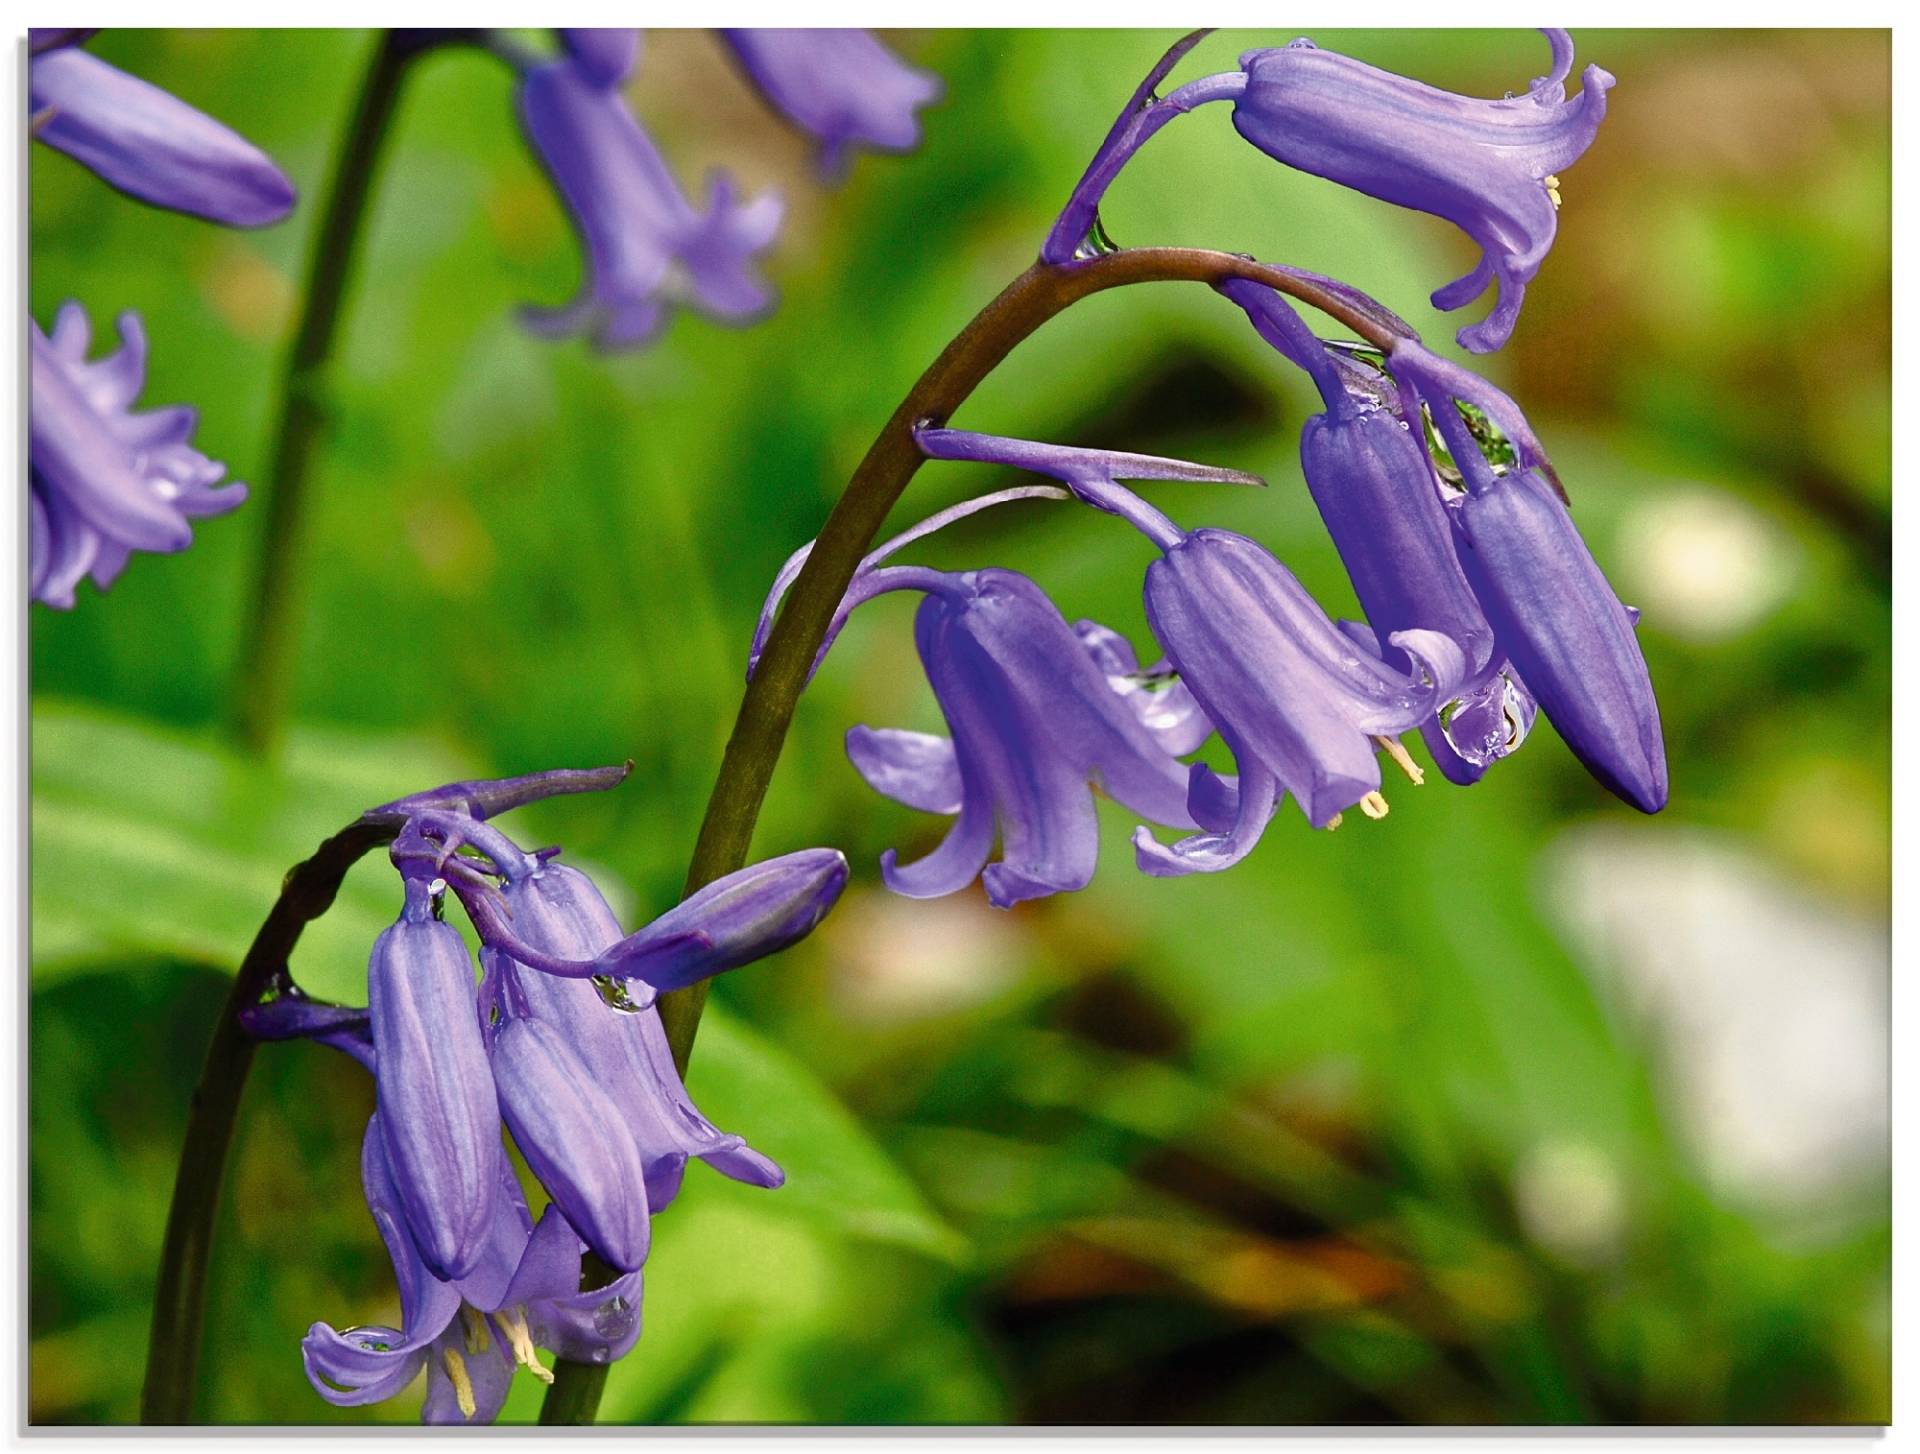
{"points": [[520, 1338], [1374, 806], [462, 1385], [476, 1325], [1391, 746]]}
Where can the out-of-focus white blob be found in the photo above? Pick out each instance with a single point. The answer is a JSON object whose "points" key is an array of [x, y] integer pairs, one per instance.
{"points": [[1764, 1004], [1569, 1198], [1703, 564], [893, 960]]}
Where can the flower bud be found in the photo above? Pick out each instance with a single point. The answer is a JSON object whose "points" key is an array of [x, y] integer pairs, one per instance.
{"points": [[434, 1086], [1573, 642]]}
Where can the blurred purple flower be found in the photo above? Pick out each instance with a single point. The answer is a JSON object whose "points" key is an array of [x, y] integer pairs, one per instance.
{"points": [[147, 142], [604, 55], [647, 247], [105, 481], [843, 87], [1488, 166]]}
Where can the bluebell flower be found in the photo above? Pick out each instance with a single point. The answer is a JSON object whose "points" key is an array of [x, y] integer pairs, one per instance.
{"points": [[435, 1086], [648, 248], [146, 141], [471, 1335], [842, 87], [1301, 705], [1036, 717], [580, 1072], [1554, 615], [1034, 723], [1491, 167], [105, 480]]}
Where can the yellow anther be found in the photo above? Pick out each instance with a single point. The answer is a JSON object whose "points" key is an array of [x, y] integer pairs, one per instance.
{"points": [[1553, 190], [1374, 806], [520, 1338], [1391, 746], [462, 1385], [476, 1325], [1333, 822]]}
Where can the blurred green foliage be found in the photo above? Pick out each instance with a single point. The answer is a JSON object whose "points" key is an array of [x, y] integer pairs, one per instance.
{"points": [[1360, 1132]]}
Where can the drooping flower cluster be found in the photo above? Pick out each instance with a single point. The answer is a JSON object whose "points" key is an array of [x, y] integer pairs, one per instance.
{"points": [[105, 481], [1482, 603], [560, 1043], [649, 248]]}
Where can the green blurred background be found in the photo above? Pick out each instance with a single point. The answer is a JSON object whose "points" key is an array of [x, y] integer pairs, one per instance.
{"points": [[1514, 1107]]}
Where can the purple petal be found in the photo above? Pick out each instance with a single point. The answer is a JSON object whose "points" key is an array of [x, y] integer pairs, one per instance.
{"points": [[918, 769], [71, 548], [1168, 711], [571, 1133], [955, 863], [467, 1378], [363, 1365], [1253, 802], [485, 798], [595, 1326]]}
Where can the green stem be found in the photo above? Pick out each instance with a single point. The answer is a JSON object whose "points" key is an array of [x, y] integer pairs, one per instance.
{"points": [[180, 1297], [264, 680], [766, 711]]}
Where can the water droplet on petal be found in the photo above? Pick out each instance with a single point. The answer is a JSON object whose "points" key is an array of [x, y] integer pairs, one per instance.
{"points": [[1096, 243]]}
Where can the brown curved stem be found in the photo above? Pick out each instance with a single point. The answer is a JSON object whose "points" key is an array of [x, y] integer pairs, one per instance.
{"points": [[766, 711]]}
